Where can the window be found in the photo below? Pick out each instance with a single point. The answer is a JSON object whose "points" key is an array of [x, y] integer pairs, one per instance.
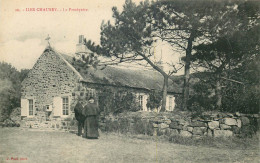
{"points": [[170, 103], [140, 98], [30, 107], [65, 106]]}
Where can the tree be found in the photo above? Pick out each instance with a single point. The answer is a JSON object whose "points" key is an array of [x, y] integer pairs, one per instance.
{"points": [[130, 39], [10, 91], [184, 24], [229, 50]]}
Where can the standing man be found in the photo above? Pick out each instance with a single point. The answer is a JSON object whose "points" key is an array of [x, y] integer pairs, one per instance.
{"points": [[79, 116], [91, 112]]}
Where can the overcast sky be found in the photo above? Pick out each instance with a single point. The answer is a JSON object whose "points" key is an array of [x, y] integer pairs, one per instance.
{"points": [[22, 34]]}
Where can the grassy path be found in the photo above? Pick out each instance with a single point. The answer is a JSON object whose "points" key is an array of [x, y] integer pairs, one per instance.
{"points": [[52, 146]]}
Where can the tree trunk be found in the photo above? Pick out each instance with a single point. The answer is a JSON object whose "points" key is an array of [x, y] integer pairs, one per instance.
{"points": [[165, 87], [165, 78], [218, 95], [186, 87]]}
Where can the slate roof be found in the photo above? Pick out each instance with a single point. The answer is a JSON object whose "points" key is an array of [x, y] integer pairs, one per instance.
{"points": [[118, 76]]}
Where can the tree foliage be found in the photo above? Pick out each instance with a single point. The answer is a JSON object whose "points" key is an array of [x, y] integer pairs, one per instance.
{"points": [[111, 101], [154, 100], [185, 24], [232, 58], [10, 91], [130, 38], [220, 37]]}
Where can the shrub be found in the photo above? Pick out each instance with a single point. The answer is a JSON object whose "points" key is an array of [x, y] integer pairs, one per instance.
{"points": [[112, 101], [154, 100], [142, 126], [123, 125]]}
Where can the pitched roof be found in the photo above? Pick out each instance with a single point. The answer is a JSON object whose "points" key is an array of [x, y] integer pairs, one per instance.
{"points": [[118, 76]]}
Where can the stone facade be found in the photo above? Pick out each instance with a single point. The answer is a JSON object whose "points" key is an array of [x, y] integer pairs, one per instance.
{"points": [[49, 78]]}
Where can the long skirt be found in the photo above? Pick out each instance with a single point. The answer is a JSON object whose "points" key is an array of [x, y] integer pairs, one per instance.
{"points": [[91, 127]]}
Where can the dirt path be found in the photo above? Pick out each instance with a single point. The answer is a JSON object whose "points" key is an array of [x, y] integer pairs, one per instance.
{"points": [[46, 146]]}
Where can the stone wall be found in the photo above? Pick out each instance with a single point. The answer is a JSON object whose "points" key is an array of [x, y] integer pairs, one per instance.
{"points": [[158, 124], [67, 124], [182, 124]]}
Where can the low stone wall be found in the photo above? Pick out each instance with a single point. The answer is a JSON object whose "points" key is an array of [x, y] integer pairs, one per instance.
{"points": [[55, 124], [156, 124], [182, 124]]}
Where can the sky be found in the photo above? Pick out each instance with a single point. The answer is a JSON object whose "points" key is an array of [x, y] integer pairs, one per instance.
{"points": [[23, 32]]}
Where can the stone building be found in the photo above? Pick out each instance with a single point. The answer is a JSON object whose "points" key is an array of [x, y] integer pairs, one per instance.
{"points": [[51, 88]]}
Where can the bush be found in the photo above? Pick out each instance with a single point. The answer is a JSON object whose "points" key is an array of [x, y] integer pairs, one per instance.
{"points": [[142, 126], [10, 123], [114, 101], [123, 125], [10, 91], [154, 100]]}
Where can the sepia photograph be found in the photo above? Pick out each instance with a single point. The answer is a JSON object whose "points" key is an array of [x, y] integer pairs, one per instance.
{"points": [[129, 81]]}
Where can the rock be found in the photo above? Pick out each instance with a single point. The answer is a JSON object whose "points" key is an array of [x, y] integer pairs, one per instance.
{"points": [[222, 133], [155, 125], [209, 133], [174, 132], [198, 131], [245, 121], [183, 122], [185, 133], [155, 131], [168, 132], [207, 118], [175, 125], [157, 120], [168, 122], [214, 124], [235, 129], [239, 123], [161, 132], [185, 128], [230, 121], [163, 126], [214, 115], [197, 124], [237, 114], [196, 136], [221, 115], [224, 127], [190, 129]]}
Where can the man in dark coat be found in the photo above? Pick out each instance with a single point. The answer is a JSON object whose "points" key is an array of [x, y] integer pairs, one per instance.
{"points": [[79, 116], [91, 112]]}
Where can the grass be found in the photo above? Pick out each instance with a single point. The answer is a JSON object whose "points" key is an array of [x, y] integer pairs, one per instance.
{"points": [[53, 146], [221, 143]]}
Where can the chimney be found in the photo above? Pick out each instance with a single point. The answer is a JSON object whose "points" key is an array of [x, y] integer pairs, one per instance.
{"points": [[81, 47], [81, 39]]}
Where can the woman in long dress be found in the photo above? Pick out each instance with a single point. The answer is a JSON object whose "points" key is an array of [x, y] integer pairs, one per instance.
{"points": [[91, 112]]}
